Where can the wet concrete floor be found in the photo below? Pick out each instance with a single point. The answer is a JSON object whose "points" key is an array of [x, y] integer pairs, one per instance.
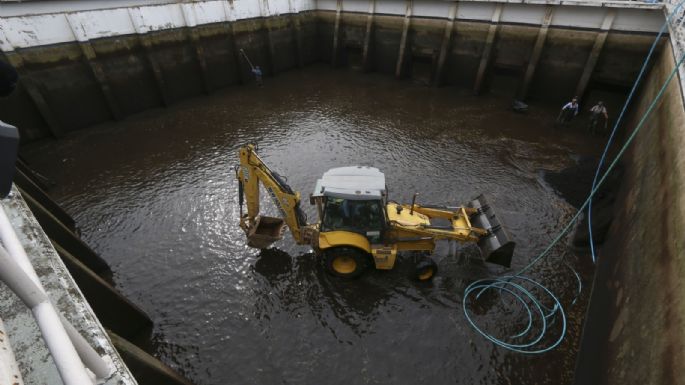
{"points": [[156, 196]]}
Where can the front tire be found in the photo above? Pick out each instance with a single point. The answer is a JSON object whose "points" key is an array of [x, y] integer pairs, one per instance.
{"points": [[426, 269], [346, 262]]}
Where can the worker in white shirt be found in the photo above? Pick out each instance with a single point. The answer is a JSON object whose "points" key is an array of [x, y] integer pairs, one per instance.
{"points": [[568, 111]]}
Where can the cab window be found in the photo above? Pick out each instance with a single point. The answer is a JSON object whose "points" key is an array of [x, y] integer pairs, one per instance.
{"points": [[360, 216]]}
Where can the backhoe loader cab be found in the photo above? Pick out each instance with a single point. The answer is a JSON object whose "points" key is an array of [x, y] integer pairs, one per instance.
{"points": [[358, 227], [351, 199]]}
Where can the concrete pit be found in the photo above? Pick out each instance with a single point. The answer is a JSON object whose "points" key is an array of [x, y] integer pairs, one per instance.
{"points": [[152, 189]]}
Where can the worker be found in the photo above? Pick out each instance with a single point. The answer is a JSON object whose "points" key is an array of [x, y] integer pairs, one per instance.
{"points": [[568, 111], [257, 75], [595, 113], [8, 79]]}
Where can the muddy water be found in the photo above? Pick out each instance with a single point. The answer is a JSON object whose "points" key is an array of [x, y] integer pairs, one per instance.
{"points": [[156, 197]]}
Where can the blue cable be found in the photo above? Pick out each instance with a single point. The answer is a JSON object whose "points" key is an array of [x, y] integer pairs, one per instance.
{"points": [[525, 296], [618, 122]]}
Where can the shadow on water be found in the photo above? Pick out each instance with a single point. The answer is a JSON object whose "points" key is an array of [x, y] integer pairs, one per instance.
{"points": [[355, 303]]}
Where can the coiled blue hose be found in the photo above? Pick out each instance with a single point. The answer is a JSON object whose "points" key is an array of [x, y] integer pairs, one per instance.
{"points": [[532, 295]]}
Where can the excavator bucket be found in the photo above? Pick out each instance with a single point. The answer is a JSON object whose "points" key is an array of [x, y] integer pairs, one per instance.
{"points": [[265, 232], [497, 246]]}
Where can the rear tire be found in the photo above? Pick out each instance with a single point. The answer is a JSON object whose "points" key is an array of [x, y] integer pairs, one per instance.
{"points": [[346, 262], [426, 269]]}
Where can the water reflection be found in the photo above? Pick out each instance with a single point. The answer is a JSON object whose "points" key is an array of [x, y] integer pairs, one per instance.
{"points": [[163, 213]]}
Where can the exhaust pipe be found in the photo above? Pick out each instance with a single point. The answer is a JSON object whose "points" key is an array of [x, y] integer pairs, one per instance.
{"points": [[496, 246]]}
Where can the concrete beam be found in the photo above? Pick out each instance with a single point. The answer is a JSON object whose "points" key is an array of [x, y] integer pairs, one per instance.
{"points": [[146, 43], [403, 39], [537, 52], [446, 43], [297, 37], [270, 45], [95, 66], [368, 35], [61, 234], [33, 89], [489, 40], [29, 186], [296, 28], [114, 310], [233, 45], [271, 48], [194, 37], [595, 52], [336, 33], [145, 368]]}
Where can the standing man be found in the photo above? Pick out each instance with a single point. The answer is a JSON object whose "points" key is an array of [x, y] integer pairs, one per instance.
{"points": [[568, 111], [595, 113], [257, 75]]}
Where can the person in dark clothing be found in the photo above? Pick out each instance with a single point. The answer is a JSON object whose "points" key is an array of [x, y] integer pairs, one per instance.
{"points": [[257, 75], [596, 114], [8, 79], [568, 111]]}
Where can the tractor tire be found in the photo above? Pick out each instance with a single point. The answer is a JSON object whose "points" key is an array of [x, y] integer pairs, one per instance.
{"points": [[425, 270], [346, 262]]}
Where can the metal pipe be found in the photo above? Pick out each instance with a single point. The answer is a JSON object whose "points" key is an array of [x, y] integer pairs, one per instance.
{"points": [[90, 358], [9, 370], [68, 363], [413, 203], [247, 58]]}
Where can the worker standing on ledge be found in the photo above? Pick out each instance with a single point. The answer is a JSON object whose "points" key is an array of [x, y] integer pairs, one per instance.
{"points": [[257, 75], [568, 111], [595, 113]]}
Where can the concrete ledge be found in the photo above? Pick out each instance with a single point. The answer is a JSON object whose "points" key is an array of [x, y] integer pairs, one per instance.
{"points": [[580, 3], [40, 23], [35, 362]]}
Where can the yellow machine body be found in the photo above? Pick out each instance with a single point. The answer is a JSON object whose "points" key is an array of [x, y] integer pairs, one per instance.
{"points": [[404, 227]]}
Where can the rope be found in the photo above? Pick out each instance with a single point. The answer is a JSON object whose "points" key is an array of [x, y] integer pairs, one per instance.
{"points": [[526, 296], [247, 58]]}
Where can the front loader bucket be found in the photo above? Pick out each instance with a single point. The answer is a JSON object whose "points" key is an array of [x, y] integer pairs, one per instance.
{"points": [[266, 231], [497, 246]]}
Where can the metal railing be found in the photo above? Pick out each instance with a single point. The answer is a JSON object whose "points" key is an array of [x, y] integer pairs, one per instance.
{"points": [[70, 351]]}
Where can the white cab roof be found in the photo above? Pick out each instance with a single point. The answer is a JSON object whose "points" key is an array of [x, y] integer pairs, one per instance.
{"points": [[356, 182]]}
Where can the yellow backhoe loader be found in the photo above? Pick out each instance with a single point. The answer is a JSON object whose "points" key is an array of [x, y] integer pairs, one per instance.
{"points": [[358, 226]]}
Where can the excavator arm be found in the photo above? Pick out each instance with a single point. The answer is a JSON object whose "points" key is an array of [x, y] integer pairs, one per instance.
{"points": [[261, 230]]}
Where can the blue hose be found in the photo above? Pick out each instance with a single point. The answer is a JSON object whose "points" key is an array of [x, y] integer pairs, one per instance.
{"points": [[524, 289], [618, 122]]}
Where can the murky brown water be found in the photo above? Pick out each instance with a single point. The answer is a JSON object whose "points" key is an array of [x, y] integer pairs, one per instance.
{"points": [[155, 195]]}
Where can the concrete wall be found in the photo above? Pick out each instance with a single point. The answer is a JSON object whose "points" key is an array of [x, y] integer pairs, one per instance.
{"points": [[635, 326], [518, 48], [85, 62], [93, 64]]}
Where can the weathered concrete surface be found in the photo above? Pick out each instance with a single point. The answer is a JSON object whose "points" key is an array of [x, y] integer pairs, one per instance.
{"points": [[560, 61], [86, 67], [635, 327], [148, 71], [36, 364], [147, 369]]}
